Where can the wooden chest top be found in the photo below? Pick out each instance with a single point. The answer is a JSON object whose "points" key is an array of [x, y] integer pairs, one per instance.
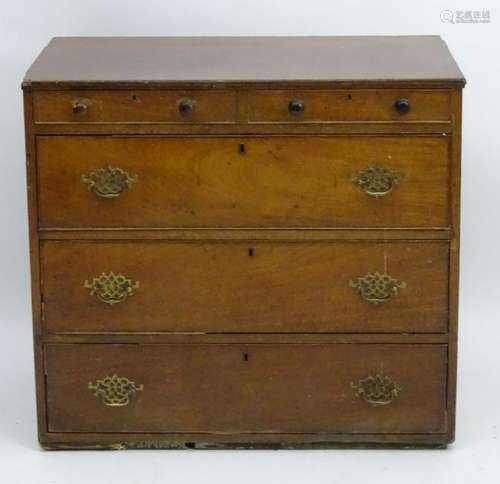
{"points": [[422, 60]]}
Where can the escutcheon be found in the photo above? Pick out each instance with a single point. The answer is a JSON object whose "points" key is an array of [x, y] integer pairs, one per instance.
{"points": [[108, 182], [111, 288], [115, 391]]}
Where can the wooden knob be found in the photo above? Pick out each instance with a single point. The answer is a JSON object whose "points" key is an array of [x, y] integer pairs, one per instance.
{"points": [[296, 106], [186, 107], [402, 106], [79, 107]]}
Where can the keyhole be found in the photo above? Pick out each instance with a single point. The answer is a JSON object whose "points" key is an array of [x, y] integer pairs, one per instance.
{"points": [[250, 252], [134, 97], [242, 148], [245, 356]]}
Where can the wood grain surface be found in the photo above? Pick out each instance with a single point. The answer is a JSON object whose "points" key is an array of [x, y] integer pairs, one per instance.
{"points": [[367, 105], [244, 230], [276, 182], [245, 287], [260, 388], [136, 106], [224, 59]]}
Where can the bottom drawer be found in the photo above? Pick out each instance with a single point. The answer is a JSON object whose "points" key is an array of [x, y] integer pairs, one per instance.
{"points": [[253, 388]]}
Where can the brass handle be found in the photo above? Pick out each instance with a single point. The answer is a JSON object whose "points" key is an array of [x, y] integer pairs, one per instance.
{"points": [[79, 107], [296, 106], [115, 391], [111, 288], [377, 181], [377, 390], [108, 182], [186, 107], [377, 287]]}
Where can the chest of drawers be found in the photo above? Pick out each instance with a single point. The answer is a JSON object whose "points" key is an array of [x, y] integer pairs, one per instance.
{"points": [[244, 242]]}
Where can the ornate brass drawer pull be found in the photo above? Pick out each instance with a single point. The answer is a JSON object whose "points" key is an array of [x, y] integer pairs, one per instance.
{"points": [[115, 391], [111, 288], [376, 287], [377, 390], [108, 182], [377, 181]]}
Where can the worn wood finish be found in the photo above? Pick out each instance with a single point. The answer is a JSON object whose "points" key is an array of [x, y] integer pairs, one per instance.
{"points": [[149, 61], [183, 391], [245, 287], [36, 299], [264, 243], [325, 440], [244, 338], [201, 234], [240, 129], [454, 258], [274, 182], [349, 105], [222, 107], [135, 107]]}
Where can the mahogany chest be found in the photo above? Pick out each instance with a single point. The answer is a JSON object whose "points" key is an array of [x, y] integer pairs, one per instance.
{"points": [[244, 242]]}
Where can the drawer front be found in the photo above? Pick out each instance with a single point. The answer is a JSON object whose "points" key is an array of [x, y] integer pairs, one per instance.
{"points": [[348, 106], [245, 287], [135, 107], [345, 181], [240, 388]]}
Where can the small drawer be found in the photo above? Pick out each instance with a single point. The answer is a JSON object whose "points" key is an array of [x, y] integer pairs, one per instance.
{"points": [[348, 106], [245, 287], [197, 107], [264, 182], [257, 388]]}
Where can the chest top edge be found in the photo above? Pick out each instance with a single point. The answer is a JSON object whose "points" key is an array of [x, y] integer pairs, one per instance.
{"points": [[407, 60]]}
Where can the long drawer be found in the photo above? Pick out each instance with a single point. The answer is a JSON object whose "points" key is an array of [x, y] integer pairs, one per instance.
{"points": [[281, 388], [244, 286], [345, 181]]}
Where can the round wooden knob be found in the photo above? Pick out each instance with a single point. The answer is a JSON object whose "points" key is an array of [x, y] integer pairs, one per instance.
{"points": [[296, 106], [186, 107], [402, 106], [79, 107]]}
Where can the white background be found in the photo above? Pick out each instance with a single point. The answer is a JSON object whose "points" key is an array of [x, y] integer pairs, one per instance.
{"points": [[26, 26]]}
